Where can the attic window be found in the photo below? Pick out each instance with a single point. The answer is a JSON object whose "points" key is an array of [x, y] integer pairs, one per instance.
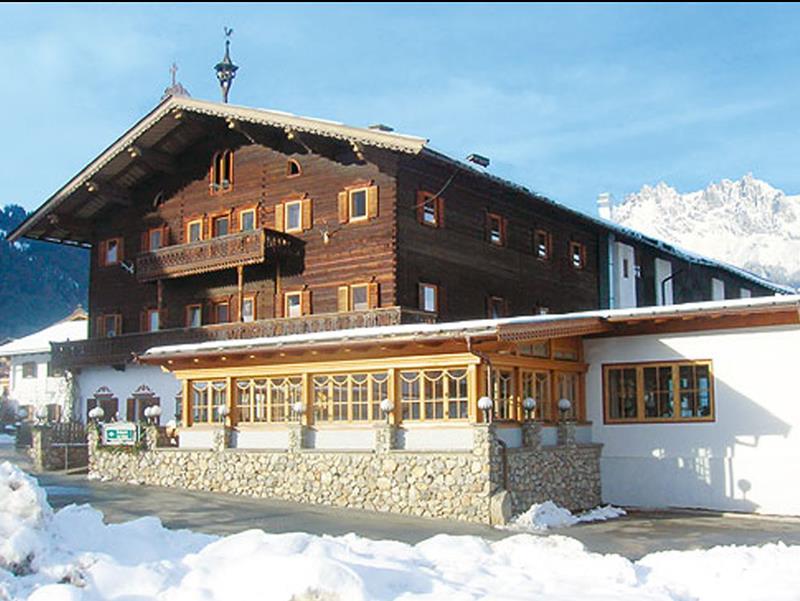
{"points": [[293, 168], [577, 255], [221, 176]]}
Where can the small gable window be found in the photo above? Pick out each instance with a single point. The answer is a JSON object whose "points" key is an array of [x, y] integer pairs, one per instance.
{"points": [[110, 252], [293, 168], [577, 255], [542, 244], [430, 209], [495, 229], [221, 177]]}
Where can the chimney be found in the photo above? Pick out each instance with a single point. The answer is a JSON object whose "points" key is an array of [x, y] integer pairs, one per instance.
{"points": [[604, 204]]}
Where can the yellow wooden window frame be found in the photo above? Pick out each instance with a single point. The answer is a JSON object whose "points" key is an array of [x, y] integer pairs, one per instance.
{"points": [[350, 397], [189, 224]]}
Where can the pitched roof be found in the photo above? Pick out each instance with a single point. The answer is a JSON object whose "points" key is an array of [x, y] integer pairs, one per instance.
{"points": [[70, 328]]}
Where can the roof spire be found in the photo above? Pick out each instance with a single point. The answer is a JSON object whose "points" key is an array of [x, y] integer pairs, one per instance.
{"points": [[176, 88], [225, 69]]}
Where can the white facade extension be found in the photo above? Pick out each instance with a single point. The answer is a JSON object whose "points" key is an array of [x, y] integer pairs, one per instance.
{"points": [[744, 460]]}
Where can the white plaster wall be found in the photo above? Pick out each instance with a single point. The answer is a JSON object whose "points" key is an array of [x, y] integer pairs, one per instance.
{"points": [[260, 439], [454, 438], [625, 286], [549, 436], [583, 434], [743, 461], [663, 271], [38, 391], [124, 383], [194, 438], [342, 439], [512, 436]]}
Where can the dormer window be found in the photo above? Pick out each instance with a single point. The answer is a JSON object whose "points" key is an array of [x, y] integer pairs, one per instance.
{"points": [[221, 177]]}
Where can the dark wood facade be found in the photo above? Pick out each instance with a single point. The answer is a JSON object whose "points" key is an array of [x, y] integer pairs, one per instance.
{"points": [[477, 246]]}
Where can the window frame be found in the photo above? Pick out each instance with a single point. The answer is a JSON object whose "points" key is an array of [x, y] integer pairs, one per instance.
{"points": [[351, 296], [286, 206], [581, 248], [103, 258], [214, 219], [221, 164], [491, 302], [30, 373], [548, 244], [422, 287], [422, 403], [424, 200], [251, 298], [188, 313], [641, 417], [102, 319], [351, 217], [189, 224], [296, 163], [148, 324], [248, 211], [215, 305], [501, 231], [293, 294], [333, 384]]}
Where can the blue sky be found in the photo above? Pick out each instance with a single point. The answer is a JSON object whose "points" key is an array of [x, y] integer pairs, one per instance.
{"points": [[570, 100]]}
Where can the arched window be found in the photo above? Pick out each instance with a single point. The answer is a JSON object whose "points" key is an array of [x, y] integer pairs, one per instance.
{"points": [[141, 399], [221, 176], [293, 168]]}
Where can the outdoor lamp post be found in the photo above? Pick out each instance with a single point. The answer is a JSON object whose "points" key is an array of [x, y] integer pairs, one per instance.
{"points": [[564, 405], [529, 405], [387, 406], [298, 409], [41, 414], [97, 414], [485, 404]]}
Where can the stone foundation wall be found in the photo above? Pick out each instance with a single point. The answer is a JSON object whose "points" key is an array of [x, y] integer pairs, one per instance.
{"points": [[455, 485]]}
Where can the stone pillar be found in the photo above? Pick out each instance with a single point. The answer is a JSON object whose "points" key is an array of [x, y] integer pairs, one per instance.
{"points": [[93, 444], [297, 436], [385, 437], [151, 437], [221, 438], [531, 434], [40, 444], [566, 433], [491, 455]]}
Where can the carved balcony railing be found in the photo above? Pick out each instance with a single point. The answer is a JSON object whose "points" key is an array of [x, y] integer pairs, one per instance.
{"points": [[122, 349], [233, 250]]}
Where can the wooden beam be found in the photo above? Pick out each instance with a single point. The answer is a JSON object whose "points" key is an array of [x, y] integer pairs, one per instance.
{"points": [[110, 193], [155, 159]]}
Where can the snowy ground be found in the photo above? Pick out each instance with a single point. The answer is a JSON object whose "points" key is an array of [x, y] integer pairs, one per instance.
{"points": [[7, 439], [72, 555]]}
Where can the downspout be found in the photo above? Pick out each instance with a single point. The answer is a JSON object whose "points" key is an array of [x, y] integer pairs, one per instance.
{"points": [[664, 287], [503, 446]]}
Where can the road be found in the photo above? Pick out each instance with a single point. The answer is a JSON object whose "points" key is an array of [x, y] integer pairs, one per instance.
{"points": [[633, 536]]}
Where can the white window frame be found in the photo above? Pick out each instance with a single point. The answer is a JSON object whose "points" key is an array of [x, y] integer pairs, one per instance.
{"points": [[287, 208], [350, 204], [353, 289], [425, 287], [287, 306]]}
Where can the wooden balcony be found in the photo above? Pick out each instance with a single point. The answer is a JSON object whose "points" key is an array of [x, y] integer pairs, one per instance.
{"points": [[122, 349], [224, 252]]}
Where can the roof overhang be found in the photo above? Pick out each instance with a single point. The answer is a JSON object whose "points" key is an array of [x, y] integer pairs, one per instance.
{"points": [[149, 146]]}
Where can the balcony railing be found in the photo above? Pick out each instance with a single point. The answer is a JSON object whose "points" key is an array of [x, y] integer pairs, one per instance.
{"points": [[122, 349], [233, 250]]}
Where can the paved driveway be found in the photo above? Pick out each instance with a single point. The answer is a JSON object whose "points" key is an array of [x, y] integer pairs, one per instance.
{"points": [[633, 536]]}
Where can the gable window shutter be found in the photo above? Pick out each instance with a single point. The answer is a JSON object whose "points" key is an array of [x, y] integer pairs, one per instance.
{"points": [[307, 216], [372, 202], [344, 210], [305, 302], [278, 305], [373, 295], [279, 217], [343, 299]]}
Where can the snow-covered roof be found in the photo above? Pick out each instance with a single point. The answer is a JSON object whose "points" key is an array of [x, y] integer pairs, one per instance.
{"points": [[472, 328], [39, 342]]}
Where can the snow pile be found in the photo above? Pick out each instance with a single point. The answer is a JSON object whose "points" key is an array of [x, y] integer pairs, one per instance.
{"points": [[83, 559], [542, 516], [24, 515], [746, 223]]}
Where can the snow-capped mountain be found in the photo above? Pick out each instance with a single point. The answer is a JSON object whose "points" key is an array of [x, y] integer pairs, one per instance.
{"points": [[746, 223]]}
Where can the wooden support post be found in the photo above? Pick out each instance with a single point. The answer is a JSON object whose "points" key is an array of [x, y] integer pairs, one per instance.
{"points": [[473, 392], [185, 405], [307, 417], [240, 289], [159, 303], [229, 397], [397, 415]]}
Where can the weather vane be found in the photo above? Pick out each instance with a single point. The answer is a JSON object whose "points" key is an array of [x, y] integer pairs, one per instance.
{"points": [[226, 70]]}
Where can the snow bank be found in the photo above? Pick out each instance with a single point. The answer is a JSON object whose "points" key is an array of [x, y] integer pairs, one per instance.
{"points": [[82, 559], [542, 516], [24, 514], [7, 439]]}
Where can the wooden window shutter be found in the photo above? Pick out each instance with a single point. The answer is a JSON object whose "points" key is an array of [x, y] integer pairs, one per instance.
{"points": [[279, 217], [305, 302], [421, 196], [440, 212], [372, 202], [343, 299], [131, 412], [307, 216], [278, 305], [101, 256], [145, 241], [374, 295], [420, 297], [344, 210], [120, 250], [165, 235]]}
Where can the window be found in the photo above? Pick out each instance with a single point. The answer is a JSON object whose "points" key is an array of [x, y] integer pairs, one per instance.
{"points": [[220, 226], [221, 311], [141, 399], [429, 297], [293, 216], [247, 220], [430, 209], [745, 293], [266, 400], [717, 289], [359, 297], [294, 304], [503, 394], [194, 230], [194, 316], [535, 349], [577, 255], [53, 371], [29, 369], [495, 229], [151, 320], [434, 394], [249, 308], [542, 245], [658, 392], [154, 238], [536, 385], [106, 400], [207, 400], [358, 204], [349, 397], [292, 168], [221, 176], [110, 252], [496, 307], [109, 326], [567, 387]]}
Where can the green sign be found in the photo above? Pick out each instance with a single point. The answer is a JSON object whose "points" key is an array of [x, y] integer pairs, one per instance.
{"points": [[119, 433]]}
